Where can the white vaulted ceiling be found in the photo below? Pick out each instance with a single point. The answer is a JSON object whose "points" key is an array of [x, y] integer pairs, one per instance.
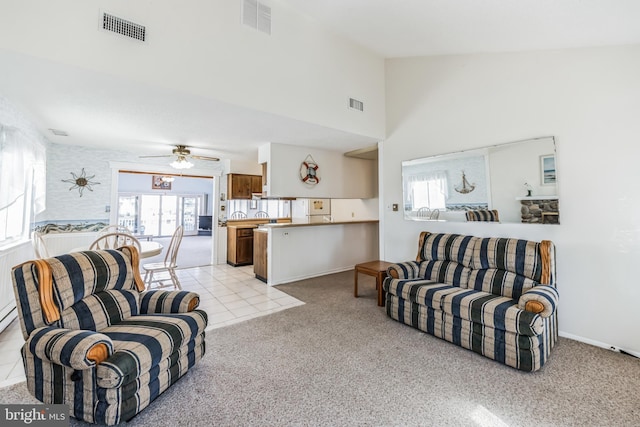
{"points": [[445, 27], [122, 110]]}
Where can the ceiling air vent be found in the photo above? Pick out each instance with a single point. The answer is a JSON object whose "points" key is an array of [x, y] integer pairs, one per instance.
{"points": [[356, 105], [123, 27], [256, 14]]}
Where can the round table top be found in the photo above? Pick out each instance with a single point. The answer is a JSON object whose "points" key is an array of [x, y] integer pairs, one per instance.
{"points": [[147, 249]]}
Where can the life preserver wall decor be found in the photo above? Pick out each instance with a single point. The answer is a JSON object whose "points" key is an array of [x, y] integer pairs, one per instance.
{"points": [[309, 171]]}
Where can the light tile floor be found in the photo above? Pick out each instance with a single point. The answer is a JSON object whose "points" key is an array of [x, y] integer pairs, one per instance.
{"points": [[228, 294]]}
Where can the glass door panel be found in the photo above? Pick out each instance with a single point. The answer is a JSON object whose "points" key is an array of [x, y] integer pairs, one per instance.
{"points": [[189, 213], [168, 215], [150, 214], [128, 213]]}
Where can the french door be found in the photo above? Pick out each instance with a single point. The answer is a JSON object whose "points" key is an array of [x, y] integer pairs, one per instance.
{"points": [[159, 214]]}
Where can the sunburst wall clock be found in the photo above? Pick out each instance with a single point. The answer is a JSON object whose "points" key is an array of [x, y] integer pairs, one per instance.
{"points": [[81, 181]]}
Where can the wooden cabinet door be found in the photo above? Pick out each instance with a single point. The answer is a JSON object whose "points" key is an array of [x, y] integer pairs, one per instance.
{"points": [[244, 247], [256, 184], [260, 255], [239, 186]]}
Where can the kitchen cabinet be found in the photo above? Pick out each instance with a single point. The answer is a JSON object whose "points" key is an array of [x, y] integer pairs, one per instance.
{"points": [[240, 245], [260, 239], [256, 184], [241, 186]]}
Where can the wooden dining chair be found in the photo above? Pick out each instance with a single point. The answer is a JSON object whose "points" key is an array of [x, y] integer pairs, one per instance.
{"points": [[261, 214], [114, 228], [423, 212], [169, 265], [114, 241], [40, 246], [238, 215]]}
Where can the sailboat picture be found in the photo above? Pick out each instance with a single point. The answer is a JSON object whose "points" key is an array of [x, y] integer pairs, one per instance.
{"points": [[548, 169], [465, 187]]}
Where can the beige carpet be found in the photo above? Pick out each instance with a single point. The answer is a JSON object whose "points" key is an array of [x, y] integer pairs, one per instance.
{"points": [[340, 361]]}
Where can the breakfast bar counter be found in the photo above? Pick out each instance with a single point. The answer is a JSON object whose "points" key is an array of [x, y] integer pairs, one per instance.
{"points": [[314, 224], [301, 250]]}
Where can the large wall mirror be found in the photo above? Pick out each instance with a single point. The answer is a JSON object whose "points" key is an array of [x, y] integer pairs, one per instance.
{"points": [[508, 183]]}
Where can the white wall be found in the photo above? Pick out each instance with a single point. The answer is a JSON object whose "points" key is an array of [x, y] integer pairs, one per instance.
{"points": [[334, 248], [340, 176], [354, 209], [590, 100], [301, 71]]}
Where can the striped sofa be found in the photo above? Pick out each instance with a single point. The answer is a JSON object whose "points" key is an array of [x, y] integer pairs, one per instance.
{"points": [[96, 341], [483, 215], [495, 296]]}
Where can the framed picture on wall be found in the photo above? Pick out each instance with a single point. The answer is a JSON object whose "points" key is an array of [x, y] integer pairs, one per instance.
{"points": [[548, 169], [158, 183]]}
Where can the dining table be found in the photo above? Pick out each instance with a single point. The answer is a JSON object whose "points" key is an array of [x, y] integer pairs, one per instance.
{"points": [[147, 249]]}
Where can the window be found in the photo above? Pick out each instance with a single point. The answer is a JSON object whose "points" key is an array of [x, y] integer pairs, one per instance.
{"points": [[426, 191], [22, 179]]}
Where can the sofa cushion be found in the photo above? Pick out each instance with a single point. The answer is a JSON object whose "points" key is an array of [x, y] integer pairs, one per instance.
{"points": [[100, 310], [421, 292], [517, 256], [84, 273], [447, 272], [449, 247], [142, 342], [500, 282], [492, 311]]}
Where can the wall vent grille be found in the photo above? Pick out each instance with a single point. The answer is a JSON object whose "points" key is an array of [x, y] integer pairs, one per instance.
{"points": [[356, 105], [124, 27], [257, 15]]}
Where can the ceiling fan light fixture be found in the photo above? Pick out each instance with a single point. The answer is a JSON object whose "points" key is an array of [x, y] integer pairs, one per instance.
{"points": [[181, 163]]}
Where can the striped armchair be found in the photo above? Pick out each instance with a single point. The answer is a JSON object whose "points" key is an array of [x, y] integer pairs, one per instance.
{"points": [[495, 296], [96, 341]]}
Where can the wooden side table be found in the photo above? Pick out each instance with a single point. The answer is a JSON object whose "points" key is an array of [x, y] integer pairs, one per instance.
{"points": [[377, 269]]}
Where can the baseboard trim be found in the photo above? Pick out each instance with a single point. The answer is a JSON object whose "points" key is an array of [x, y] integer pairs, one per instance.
{"points": [[598, 344], [308, 276]]}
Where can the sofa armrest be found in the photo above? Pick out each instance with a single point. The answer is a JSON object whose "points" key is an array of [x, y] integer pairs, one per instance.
{"points": [[76, 349], [166, 302], [541, 299], [404, 270]]}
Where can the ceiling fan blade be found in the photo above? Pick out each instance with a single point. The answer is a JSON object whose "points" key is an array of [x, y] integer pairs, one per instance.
{"points": [[162, 155], [214, 159]]}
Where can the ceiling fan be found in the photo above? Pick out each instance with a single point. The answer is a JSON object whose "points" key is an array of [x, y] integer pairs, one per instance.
{"points": [[182, 153]]}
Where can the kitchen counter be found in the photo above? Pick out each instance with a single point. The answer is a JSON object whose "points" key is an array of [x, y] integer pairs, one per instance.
{"points": [[313, 224], [242, 225], [302, 250]]}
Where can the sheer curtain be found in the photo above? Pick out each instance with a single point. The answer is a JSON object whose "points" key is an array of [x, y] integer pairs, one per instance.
{"points": [[424, 182], [22, 182]]}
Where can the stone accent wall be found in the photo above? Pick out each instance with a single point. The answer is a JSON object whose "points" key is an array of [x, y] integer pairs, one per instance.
{"points": [[535, 211]]}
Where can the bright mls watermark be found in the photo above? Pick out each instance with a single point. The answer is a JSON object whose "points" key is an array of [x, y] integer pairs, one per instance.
{"points": [[40, 415]]}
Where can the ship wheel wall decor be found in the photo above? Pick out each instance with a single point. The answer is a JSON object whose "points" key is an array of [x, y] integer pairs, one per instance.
{"points": [[81, 181], [309, 171]]}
